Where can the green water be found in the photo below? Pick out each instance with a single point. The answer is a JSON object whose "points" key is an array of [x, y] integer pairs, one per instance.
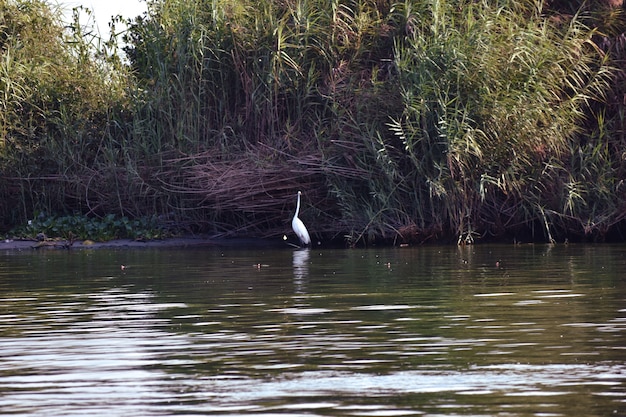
{"points": [[432, 331]]}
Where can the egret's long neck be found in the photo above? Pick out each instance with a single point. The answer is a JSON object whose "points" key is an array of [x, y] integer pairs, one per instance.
{"points": [[297, 207]]}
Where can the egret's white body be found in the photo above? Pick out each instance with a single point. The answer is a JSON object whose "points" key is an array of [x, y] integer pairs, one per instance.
{"points": [[298, 227]]}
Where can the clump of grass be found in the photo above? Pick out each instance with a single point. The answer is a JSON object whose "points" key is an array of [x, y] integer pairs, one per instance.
{"points": [[493, 98], [58, 95], [245, 80], [407, 120]]}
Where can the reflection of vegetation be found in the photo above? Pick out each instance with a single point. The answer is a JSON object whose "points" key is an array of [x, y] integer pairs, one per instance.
{"points": [[407, 120]]}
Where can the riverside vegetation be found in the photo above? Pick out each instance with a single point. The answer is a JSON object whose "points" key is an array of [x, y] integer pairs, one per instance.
{"points": [[407, 121]]}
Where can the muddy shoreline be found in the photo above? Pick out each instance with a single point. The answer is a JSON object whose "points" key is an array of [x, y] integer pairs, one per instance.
{"points": [[176, 242]]}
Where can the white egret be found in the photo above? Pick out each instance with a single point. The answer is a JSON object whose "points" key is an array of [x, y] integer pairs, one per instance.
{"points": [[298, 227]]}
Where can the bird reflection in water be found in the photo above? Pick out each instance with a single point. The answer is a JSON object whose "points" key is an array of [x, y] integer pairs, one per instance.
{"points": [[301, 268]]}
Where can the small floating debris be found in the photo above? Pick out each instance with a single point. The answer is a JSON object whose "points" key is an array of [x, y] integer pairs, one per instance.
{"points": [[53, 244]]}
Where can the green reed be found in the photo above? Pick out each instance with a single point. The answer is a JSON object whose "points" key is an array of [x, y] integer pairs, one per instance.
{"points": [[493, 100], [57, 98], [401, 121]]}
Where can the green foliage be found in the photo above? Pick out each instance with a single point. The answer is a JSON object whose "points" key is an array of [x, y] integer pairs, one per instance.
{"points": [[406, 120], [80, 227], [493, 97], [57, 98], [222, 77]]}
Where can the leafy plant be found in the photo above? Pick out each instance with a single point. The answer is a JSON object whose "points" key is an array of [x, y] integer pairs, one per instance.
{"points": [[80, 227]]}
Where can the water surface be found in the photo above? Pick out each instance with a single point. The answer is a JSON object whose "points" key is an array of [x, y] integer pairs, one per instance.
{"points": [[433, 331]]}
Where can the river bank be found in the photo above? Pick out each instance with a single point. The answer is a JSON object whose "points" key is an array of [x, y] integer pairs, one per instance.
{"points": [[175, 242]]}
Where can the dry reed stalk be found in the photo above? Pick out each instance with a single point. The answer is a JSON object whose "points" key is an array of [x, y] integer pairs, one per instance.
{"points": [[259, 191]]}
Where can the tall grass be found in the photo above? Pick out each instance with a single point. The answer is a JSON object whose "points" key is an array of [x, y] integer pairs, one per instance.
{"points": [[56, 101], [493, 99], [267, 82], [405, 121]]}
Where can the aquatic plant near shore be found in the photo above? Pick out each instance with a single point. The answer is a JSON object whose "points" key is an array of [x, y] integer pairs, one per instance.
{"points": [[80, 227]]}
